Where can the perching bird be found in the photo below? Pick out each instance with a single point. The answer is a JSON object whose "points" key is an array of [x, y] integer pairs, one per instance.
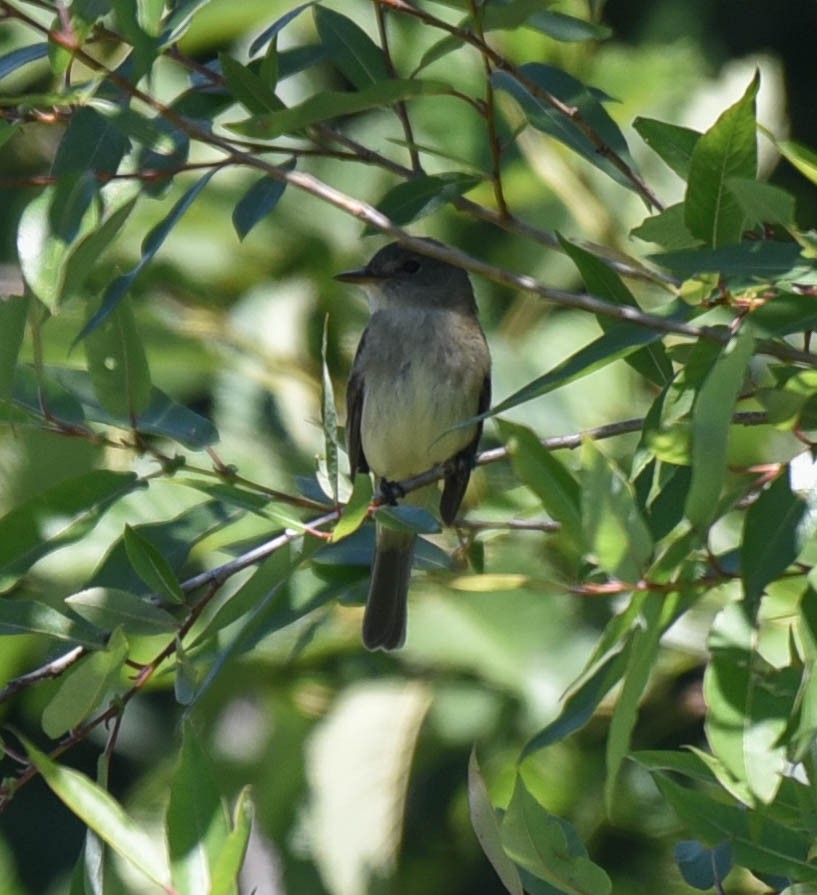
{"points": [[422, 368]]}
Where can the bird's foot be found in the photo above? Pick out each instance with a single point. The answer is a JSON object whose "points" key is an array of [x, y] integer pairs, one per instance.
{"points": [[391, 491]]}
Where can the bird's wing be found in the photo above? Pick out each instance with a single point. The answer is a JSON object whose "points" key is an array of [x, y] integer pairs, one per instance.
{"points": [[354, 412], [457, 481]]}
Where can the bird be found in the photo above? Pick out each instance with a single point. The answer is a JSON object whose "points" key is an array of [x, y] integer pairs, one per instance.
{"points": [[420, 380]]}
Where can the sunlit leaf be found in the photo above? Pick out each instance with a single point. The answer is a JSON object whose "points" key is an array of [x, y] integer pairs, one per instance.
{"points": [[151, 566], [673, 143], [103, 814], [109, 608], [423, 195], [728, 149]]}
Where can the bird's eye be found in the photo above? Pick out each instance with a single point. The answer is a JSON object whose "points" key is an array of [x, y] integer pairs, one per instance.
{"points": [[411, 266]]}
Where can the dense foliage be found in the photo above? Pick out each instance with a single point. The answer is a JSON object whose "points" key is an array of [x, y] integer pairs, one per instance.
{"points": [[620, 630]]}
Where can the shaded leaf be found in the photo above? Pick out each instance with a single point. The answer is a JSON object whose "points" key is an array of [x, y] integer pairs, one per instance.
{"points": [[549, 847], [546, 118], [328, 105], [423, 195], [350, 48], [668, 229], [711, 419], [31, 617], [109, 608], [614, 530], [13, 314], [773, 535], [151, 244], [755, 260], [701, 867], [83, 687], [151, 566], [117, 364], [269, 34], [673, 143], [601, 280], [196, 823], [582, 703], [91, 143], [21, 56], [59, 516], [258, 202], [247, 87], [763, 203]]}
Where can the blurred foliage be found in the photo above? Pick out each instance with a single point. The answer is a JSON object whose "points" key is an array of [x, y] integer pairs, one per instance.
{"points": [[621, 632]]}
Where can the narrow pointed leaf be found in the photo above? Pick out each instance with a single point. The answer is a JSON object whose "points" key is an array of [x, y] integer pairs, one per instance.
{"points": [[151, 566], [104, 815], [350, 48], [728, 149]]}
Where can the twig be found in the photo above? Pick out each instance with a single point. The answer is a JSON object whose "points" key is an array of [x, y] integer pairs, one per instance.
{"points": [[533, 88], [52, 669], [400, 107]]}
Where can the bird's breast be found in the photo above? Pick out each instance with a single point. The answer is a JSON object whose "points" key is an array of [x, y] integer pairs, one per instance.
{"points": [[423, 376]]}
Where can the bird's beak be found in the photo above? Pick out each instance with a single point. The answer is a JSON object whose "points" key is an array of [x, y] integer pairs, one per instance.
{"points": [[361, 276]]}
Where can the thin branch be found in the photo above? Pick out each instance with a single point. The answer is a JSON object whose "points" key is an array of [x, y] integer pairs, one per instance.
{"points": [[535, 89], [52, 669], [400, 107]]}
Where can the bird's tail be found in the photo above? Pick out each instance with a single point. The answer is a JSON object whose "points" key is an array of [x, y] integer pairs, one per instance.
{"points": [[384, 622]]}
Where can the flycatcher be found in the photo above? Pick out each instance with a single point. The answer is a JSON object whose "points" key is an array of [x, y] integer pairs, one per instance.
{"points": [[421, 369]]}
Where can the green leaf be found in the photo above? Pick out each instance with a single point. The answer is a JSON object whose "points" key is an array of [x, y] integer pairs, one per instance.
{"points": [[667, 228], [784, 313], [546, 476], [582, 703], [423, 195], [773, 535], [117, 364], [196, 824], [247, 87], [573, 93], [109, 608], [487, 829], [231, 855], [674, 144], [549, 848], [618, 342], [150, 246], [414, 520], [763, 203], [104, 815], [759, 844], [567, 29], [13, 315], [16, 59], [601, 280], [173, 538], [327, 105], [356, 510], [84, 686], [801, 157], [50, 225], [701, 867], [31, 617], [614, 530], [728, 149], [145, 45], [749, 704], [350, 48], [711, 419], [658, 613], [163, 416], [438, 50], [258, 202], [59, 516], [269, 34], [329, 418], [91, 142], [87, 251], [151, 566], [746, 261]]}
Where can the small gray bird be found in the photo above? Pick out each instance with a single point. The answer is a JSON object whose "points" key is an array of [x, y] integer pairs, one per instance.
{"points": [[421, 369]]}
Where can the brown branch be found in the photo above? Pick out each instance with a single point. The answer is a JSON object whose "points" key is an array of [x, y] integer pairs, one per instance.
{"points": [[571, 112]]}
